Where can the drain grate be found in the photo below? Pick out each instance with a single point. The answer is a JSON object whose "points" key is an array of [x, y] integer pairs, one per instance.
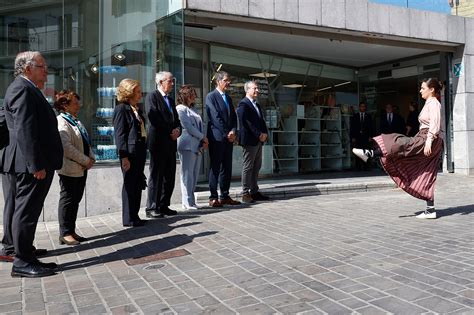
{"points": [[154, 267], [159, 256]]}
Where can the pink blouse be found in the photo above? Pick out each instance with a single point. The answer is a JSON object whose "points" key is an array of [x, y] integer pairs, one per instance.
{"points": [[431, 118]]}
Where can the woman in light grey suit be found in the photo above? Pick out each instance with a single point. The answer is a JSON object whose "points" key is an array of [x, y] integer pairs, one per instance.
{"points": [[190, 145]]}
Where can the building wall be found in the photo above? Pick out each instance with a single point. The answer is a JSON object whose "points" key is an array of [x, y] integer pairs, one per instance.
{"points": [[465, 8]]}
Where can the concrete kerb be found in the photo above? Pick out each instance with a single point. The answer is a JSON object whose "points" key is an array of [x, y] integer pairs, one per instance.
{"points": [[307, 189]]}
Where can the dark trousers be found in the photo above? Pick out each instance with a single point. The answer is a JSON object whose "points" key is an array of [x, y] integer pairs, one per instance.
{"points": [[252, 162], [133, 185], [9, 192], [29, 200], [161, 181], [72, 190], [220, 154]]}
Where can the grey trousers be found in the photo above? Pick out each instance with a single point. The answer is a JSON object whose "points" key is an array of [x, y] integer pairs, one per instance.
{"points": [[252, 162], [190, 166]]}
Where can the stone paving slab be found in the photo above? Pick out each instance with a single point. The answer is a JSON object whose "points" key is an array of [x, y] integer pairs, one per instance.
{"points": [[347, 253]]}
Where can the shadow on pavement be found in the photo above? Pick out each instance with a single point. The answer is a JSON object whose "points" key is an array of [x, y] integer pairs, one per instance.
{"points": [[461, 210], [137, 251]]}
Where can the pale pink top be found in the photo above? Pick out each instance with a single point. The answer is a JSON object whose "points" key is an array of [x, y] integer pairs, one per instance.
{"points": [[431, 118]]}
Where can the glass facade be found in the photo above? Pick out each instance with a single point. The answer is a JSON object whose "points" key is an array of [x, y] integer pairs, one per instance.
{"points": [[90, 46]]}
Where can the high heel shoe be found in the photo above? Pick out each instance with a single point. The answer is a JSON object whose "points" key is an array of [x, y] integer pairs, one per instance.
{"points": [[78, 237], [63, 241]]}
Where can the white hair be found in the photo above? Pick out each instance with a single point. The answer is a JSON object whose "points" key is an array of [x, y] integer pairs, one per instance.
{"points": [[247, 85], [160, 76], [23, 59]]}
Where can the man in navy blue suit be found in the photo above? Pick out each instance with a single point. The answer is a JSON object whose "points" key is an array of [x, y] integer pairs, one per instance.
{"points": [[221, 132], [253, 133]]}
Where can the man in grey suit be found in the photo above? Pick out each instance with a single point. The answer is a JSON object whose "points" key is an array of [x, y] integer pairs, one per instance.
{"points": [[34, 152], [253, 133]]}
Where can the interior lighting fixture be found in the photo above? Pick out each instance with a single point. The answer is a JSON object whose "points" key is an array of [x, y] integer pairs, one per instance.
{"points": [[326, 88], [93, 62], [343, 83], [294, 85], [217, 70], [238, 84], [119, 53], [263, 75]]}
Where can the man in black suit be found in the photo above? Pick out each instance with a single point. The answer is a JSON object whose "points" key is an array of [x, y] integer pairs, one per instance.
{"points": [[253, 133], [163, 130], [391, 122], [221, 131], [33, 153], [361, 131]]}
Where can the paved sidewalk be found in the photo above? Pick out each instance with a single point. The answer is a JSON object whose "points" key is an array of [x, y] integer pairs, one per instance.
{"points": [[357, 252]]}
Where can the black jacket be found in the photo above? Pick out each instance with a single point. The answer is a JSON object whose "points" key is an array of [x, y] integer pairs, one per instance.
{"points": [[161, 122], [251, 125], [127, 129], [397, 125], [34, 141]]}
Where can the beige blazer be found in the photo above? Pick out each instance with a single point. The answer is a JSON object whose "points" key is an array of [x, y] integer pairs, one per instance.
{"points": [[74, 158]]}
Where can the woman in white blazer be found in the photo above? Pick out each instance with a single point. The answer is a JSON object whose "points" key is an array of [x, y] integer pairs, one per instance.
{"points": [[78, 158], [190, 145]]}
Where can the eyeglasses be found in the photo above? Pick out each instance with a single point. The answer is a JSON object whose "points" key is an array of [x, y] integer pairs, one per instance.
{"points": [[45, 67]]}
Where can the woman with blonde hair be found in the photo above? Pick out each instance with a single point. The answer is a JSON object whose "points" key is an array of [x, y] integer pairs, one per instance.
{"points": [[130, 139], [78, 158]]}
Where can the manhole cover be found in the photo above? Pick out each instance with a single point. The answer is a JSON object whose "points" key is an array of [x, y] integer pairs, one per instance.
{"points": [[155, 257], [153, 267]]}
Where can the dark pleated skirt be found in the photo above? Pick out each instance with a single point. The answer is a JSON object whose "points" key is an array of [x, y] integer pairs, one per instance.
{"points": [[404, 161]]}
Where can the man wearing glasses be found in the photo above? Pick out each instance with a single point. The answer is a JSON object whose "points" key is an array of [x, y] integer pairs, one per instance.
{"points": [[33, 154], [221, 129]]}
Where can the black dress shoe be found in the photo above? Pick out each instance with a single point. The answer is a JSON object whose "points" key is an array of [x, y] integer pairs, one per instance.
{"points": [[153, 214], [259, 197], [168, 211], [79, 238], [31, 271], [135, 223]]}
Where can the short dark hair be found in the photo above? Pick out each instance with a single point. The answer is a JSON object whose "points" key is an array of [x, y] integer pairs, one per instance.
{"points": [[63, 98], [220, 75]]}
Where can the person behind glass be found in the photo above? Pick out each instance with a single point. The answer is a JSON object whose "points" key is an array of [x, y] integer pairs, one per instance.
{"points": [[190, 145], [253, 133], [361, 130], [130, 139], [33, 154], [412, 162], [78, 158], [412, 125], [164, 128], [391, 122], [221, 132]]}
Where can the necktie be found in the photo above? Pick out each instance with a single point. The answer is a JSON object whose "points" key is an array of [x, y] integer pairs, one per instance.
{"points": [[224, 97], [167, 101], [256, 107], [390, 118], [362, 117]]}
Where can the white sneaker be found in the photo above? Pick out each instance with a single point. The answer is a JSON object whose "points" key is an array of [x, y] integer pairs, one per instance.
{"points": [[427, 215], [185, 207], [360, 153]]}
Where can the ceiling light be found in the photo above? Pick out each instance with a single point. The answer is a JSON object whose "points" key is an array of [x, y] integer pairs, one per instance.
{"points": [[263, 75], [119, 53], [239, 84], [95, 68], [326, 88], [343, 83], [294, 85]]}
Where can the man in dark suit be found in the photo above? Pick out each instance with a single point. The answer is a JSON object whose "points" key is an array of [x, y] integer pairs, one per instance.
{"points": [[33, 153], [361, 131], [253, 133], [163, 130], [221, 131], [391, 122]]}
